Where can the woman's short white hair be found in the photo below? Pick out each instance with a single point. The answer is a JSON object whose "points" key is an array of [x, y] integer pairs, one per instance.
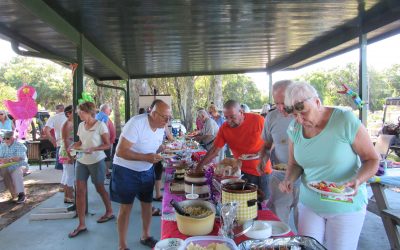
{"points": [[299, 91], [202, 113]]}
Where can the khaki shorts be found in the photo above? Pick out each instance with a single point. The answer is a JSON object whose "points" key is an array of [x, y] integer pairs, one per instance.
{"points": [[95, 170]]}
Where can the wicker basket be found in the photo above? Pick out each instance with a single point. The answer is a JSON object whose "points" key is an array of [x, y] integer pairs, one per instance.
{"points": [[247, 199]]}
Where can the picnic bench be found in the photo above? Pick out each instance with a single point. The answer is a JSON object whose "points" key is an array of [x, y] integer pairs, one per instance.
{"points": [[34, 154]]}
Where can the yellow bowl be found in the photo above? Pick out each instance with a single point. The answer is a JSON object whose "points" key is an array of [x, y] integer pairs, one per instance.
{"points": [[196, 226]]}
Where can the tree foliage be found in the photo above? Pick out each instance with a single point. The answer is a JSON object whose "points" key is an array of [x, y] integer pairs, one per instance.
{"points": [[53, 83]]}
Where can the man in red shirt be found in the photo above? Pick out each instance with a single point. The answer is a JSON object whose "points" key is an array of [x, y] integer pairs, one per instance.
{"points": [[242, 132]]}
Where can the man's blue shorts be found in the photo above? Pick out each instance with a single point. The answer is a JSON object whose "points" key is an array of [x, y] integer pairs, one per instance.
{"points": [[126, 184]]}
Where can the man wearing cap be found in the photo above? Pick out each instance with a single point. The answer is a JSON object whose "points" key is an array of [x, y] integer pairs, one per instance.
{"points": [[13, 152]]}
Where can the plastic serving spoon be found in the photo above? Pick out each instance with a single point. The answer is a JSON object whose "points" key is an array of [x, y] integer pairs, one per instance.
{"points": [[192, 195]]}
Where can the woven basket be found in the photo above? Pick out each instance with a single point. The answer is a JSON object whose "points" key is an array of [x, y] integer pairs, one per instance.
{"points": [[246, 198]]}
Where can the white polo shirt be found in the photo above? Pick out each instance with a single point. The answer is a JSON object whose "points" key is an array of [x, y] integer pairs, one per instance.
{"points": [[55, 122], [145, 141]]}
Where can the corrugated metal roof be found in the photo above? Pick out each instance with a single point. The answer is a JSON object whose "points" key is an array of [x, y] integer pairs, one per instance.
{"points": [[173, 38]]}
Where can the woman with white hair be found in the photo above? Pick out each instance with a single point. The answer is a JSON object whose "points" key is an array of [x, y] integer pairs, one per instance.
{"points": [[327, 144]]}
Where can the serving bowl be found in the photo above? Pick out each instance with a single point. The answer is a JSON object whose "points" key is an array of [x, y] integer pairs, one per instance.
{"points": [[194, 226]]}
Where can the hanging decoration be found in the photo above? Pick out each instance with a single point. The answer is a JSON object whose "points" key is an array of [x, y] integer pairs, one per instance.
{"points": [[24, 109], [86, 97], [356, 98]]}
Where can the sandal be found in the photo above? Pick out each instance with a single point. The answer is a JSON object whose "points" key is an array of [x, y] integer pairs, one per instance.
{"points": [[69, 200], [150, 242], [76, 232], [156, 211], [105, 218], [158, 199]]}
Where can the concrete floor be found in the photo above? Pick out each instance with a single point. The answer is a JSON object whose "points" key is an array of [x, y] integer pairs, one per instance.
{"points": [[53, 234]]}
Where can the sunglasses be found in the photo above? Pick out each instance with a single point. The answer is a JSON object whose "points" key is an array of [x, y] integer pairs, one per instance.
{"points": [[7, 138], [299, 106], [1, 113]]}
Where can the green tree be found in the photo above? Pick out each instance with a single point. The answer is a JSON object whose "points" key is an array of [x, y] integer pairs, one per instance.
{"points": [[242, 89], [6, 93], [53, 83]]}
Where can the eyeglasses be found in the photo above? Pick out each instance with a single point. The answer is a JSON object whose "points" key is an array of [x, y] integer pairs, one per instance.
{"points": [[165, 117], [1, 113], [7, 138], [299, 106]]}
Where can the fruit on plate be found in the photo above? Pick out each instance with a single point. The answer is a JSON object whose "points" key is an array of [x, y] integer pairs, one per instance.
{"points": [[329, 187]]}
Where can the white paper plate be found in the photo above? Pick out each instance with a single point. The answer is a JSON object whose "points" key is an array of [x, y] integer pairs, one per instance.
{"points": [[278, 228], [167, 155], [248, 157], [346, 191], [169, 243]]}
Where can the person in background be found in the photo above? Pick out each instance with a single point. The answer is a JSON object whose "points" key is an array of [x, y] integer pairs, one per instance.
{"points": [[14, 152], [65, 158], [199, 123], [275, 136], [245, 108], [208, 132], [5, 122], [242, 132], [328, 144], [93, 140], [265, 109], [104, 116], [55, 122], [133, 172], [142, 111], [213, 111]]}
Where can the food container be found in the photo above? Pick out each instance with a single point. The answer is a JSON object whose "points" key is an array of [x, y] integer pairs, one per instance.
{"points": [[296, 242], [199, 182], [245, 195], [259, 230], [196, 226], [205, 241]]}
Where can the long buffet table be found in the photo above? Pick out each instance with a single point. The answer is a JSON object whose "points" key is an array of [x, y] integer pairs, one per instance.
{"points": [[169, 227]]}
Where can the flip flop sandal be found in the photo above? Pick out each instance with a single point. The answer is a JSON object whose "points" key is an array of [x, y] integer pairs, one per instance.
{"points": [[105, 218], [150, 242], [76, 232], [156, 212]]}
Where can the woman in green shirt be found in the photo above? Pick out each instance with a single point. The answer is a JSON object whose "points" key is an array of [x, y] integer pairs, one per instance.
{"points": [[327, 144]]}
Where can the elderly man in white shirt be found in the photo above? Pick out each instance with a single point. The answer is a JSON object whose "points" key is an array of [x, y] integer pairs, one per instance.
{"points": [[133, 173]]}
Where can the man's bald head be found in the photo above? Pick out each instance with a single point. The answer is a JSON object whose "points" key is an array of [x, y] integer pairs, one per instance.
{"points": [[161, 114], [233, 113]]}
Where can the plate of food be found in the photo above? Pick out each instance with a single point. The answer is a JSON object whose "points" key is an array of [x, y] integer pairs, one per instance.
{"points": [[330, 188], [168, 155], [5, 165], [248, 157]]}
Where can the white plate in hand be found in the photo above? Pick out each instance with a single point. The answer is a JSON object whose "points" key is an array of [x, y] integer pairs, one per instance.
{"points": [[278, 228], [345, 192], [248, 157]]}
